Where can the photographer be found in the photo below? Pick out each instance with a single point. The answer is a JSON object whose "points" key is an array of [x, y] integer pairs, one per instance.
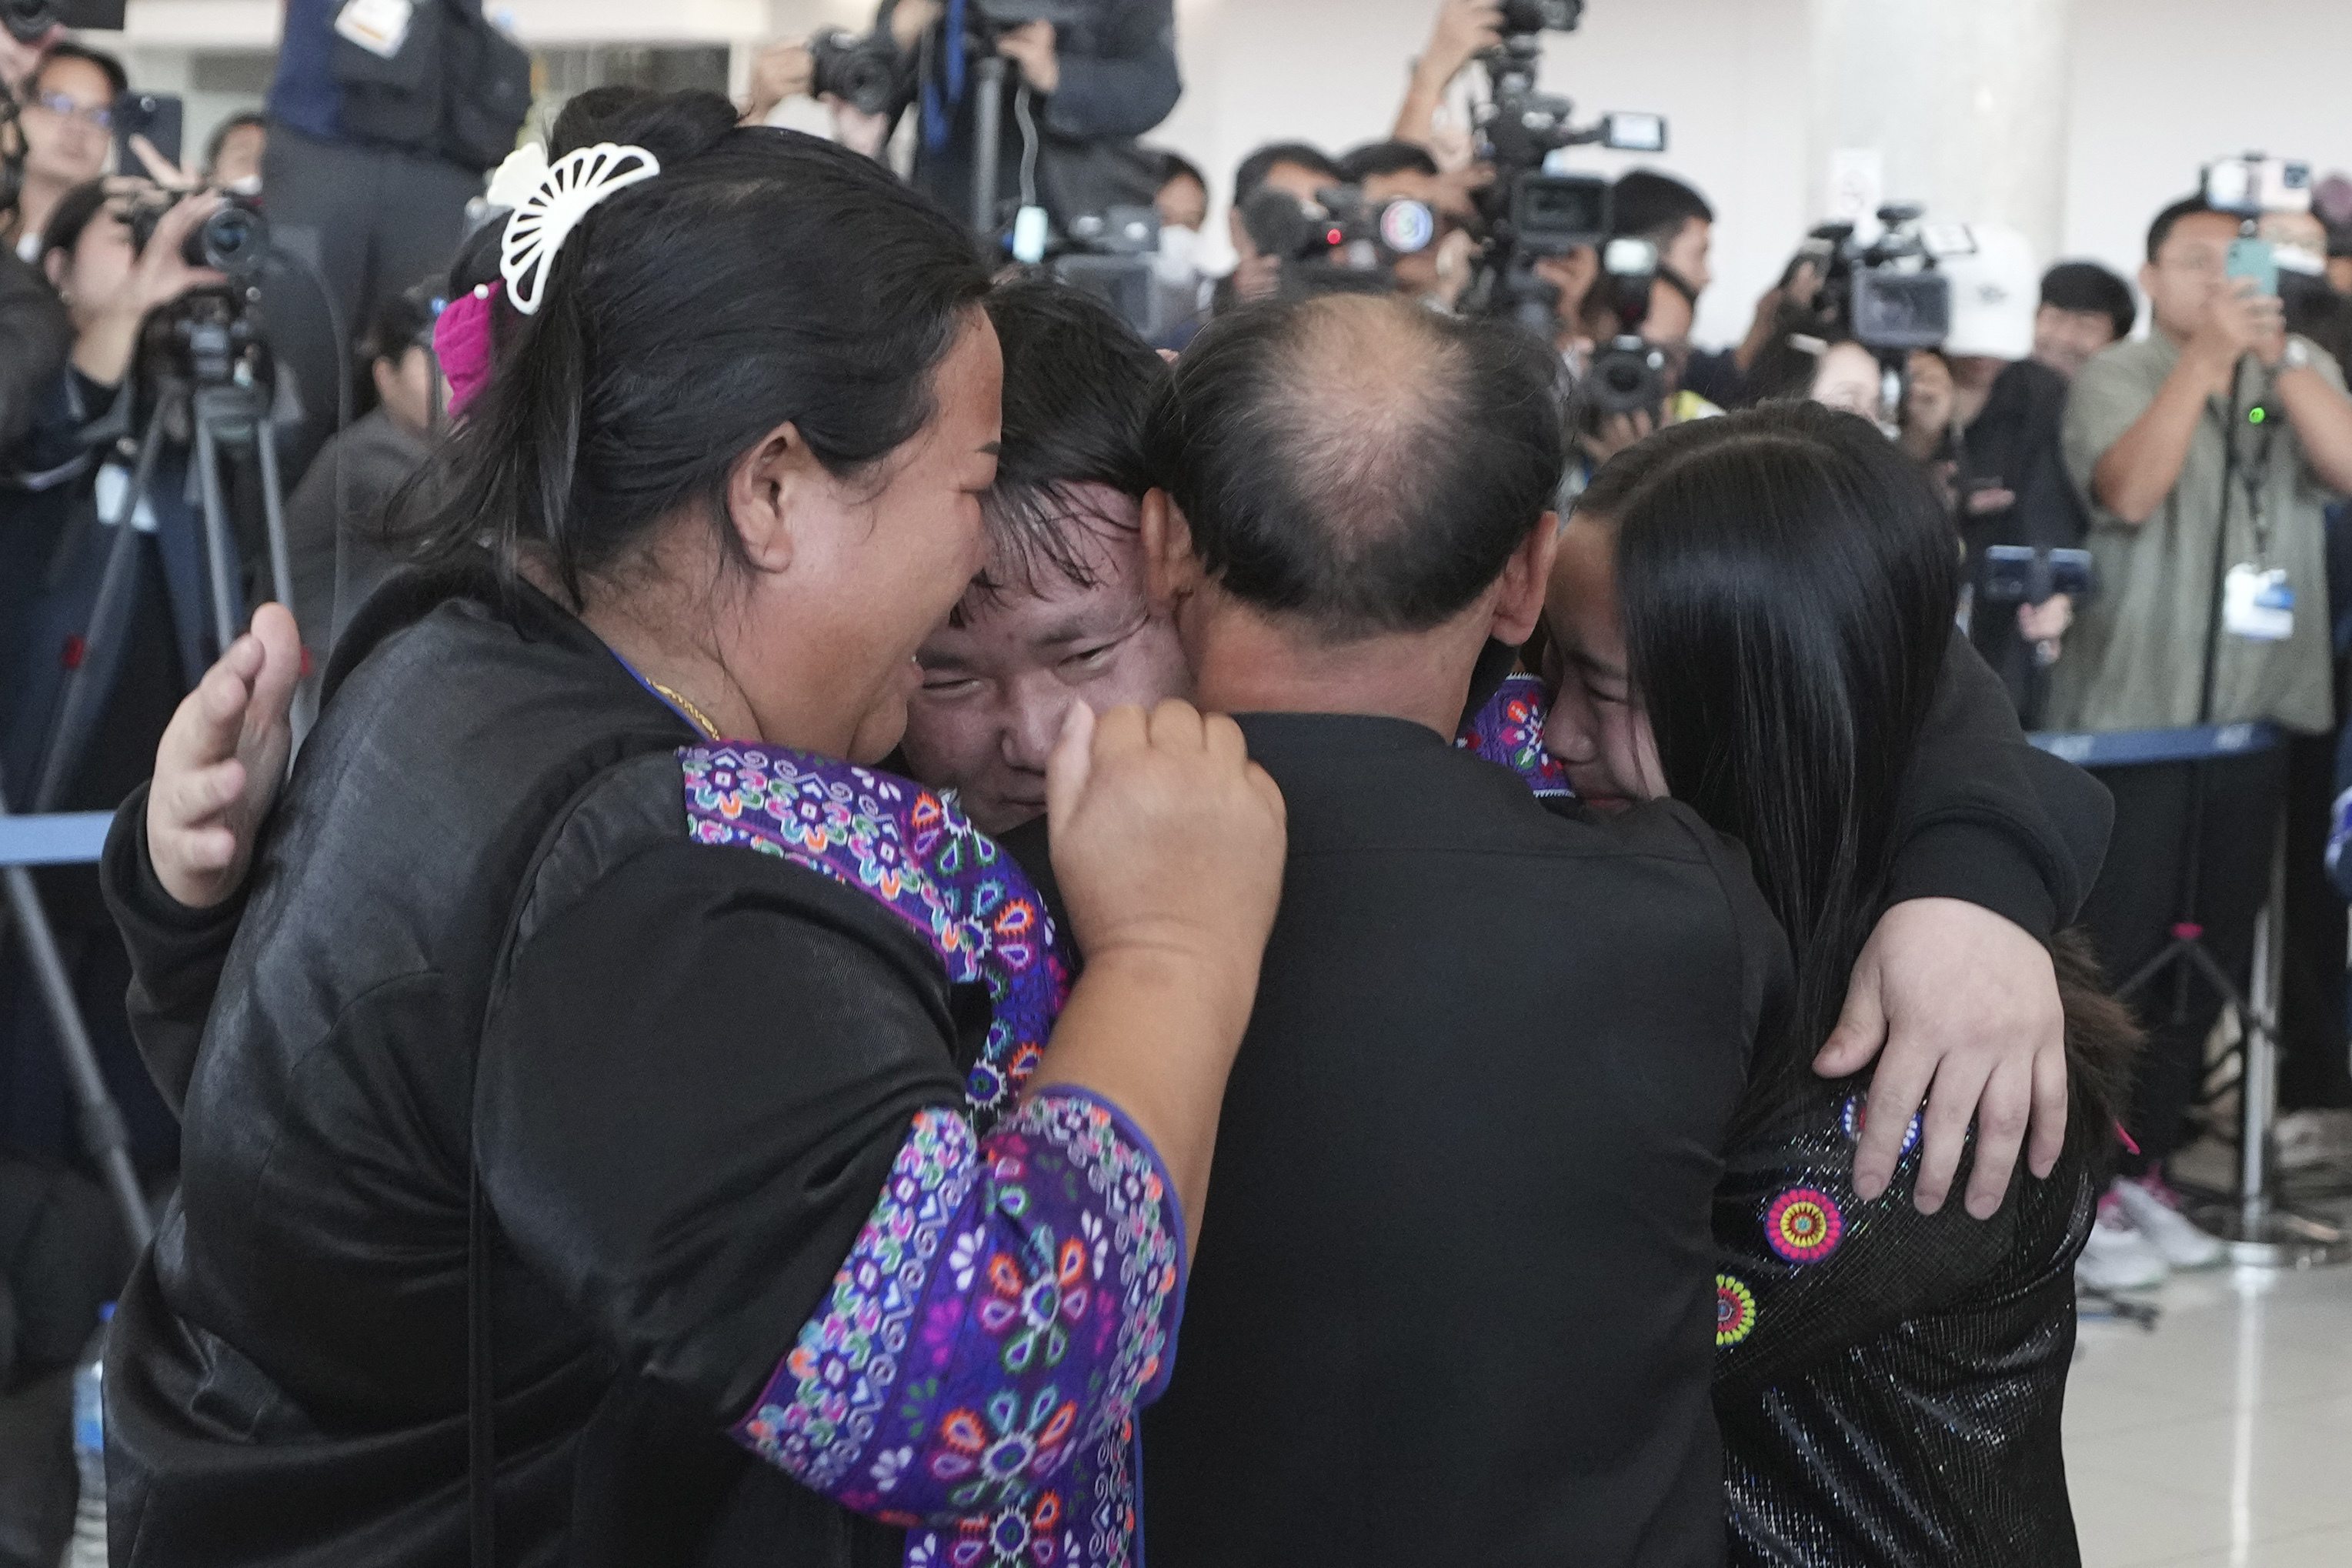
{"points": [[2206, 527], [1987, 420], [1088, 77], [109, 285], [65, 119]]}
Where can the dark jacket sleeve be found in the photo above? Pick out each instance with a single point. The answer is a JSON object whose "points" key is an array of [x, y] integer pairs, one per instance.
{"points": [[34, 338], [692, 1089], [1809, 1268], [1987, 818], [1128, 82], [176, 952]]}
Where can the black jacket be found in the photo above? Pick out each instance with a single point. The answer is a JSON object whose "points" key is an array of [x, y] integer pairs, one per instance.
{"points": [[2014, 445], [34, 337], [479, 948], [1118, 77], [1452, 1299]]}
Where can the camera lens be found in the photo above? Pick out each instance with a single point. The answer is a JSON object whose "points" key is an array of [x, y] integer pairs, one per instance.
{"points": [[28, 19], [233, 240]]}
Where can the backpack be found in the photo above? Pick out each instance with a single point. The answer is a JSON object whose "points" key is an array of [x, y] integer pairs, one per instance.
{"points": [[457, 90]]}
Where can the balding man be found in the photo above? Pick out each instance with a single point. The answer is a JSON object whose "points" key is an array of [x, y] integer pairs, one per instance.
{"points": [[1454, 1292]]}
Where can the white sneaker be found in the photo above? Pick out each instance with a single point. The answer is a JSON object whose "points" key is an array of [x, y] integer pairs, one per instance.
{"points": [[2117, 1257], [2154, 1209]]}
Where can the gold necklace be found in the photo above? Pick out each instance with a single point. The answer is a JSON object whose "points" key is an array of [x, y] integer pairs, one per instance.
{"points": [[701, 719]]}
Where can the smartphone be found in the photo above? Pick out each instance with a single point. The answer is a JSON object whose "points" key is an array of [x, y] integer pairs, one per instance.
{"points": [[2015, 574], [2253, 258], [157, 116]]}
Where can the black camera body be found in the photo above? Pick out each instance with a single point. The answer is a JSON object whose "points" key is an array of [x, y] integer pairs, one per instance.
{"points": [[861, 72], [1343, 231], [235, 240], [1004, 15], [1628, 376], [30, 20], [1541, 16], [1530, 211], [1887, 295]]}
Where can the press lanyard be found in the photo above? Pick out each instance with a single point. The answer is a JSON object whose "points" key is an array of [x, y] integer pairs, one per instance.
{"points": [[2254, 476]]}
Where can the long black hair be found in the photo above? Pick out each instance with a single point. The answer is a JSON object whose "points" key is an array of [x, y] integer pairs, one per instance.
{"points": [[1787, 580], [762, 277]]}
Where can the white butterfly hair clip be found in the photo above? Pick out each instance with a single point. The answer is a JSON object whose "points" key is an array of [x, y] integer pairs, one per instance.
{"points": [[550, 204]]}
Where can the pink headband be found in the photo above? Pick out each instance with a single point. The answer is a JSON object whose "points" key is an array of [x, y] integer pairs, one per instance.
{"points": [[463, 340]]}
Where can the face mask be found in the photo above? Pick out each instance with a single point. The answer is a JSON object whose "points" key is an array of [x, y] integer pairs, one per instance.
{"points": [[1177, 262]]}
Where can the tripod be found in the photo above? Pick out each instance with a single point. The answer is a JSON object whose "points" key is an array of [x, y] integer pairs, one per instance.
{"points": [[217, 394], [211, 384]]}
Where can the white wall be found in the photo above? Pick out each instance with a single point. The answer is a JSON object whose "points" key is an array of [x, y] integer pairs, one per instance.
{"points": [[1727, 74], [2157, 88], [2161, 87]]}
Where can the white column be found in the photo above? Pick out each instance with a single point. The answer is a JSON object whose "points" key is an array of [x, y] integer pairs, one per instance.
{"points": [[1965, 99]]}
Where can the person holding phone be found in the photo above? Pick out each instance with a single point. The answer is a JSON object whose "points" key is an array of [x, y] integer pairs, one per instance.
{"points": [[2206, 525]]}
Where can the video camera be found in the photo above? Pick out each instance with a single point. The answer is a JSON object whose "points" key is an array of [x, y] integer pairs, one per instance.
{"points": [[1342, 242], [1109, 254], [1887, 294], [1532, 210]]}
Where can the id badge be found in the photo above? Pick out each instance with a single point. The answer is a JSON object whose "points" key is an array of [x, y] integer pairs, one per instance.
{"points": [[2257, 605], [379, 26]]}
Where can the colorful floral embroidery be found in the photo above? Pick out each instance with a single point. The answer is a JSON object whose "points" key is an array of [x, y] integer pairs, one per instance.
{"points": [[1804, 1224], [1856, 1114], [1009, 1302], [1735, 1312], [1509, 730], [919, 857]]}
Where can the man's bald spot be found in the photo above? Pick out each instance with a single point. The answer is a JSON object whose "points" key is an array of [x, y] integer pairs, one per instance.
{"points": [[1363, 398]]}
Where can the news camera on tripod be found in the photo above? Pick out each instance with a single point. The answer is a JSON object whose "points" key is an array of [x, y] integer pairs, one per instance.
{"points": [[1034, 103]]}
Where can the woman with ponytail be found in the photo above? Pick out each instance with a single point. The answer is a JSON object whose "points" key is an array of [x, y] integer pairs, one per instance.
{"points": [[629, 1128]]}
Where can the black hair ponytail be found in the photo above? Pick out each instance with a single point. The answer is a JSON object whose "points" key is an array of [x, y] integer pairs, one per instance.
{"points": [[762, 278], [1787, 580]]}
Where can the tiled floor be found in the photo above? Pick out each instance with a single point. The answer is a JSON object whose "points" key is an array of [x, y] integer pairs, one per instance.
{"points": [[2223, 1438]]}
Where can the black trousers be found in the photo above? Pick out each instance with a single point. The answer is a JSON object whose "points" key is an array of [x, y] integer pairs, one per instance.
{"points": [[374, 221], [2315, 1061], [2144, 892]]}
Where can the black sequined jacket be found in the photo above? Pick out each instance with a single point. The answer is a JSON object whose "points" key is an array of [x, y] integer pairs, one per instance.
{"points": [[1889, 1383]]}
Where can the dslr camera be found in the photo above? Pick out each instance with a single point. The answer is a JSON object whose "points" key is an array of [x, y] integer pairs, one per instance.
{"points": [[1340, 242], [863, 72], [233, 240], [1629, 375]]}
